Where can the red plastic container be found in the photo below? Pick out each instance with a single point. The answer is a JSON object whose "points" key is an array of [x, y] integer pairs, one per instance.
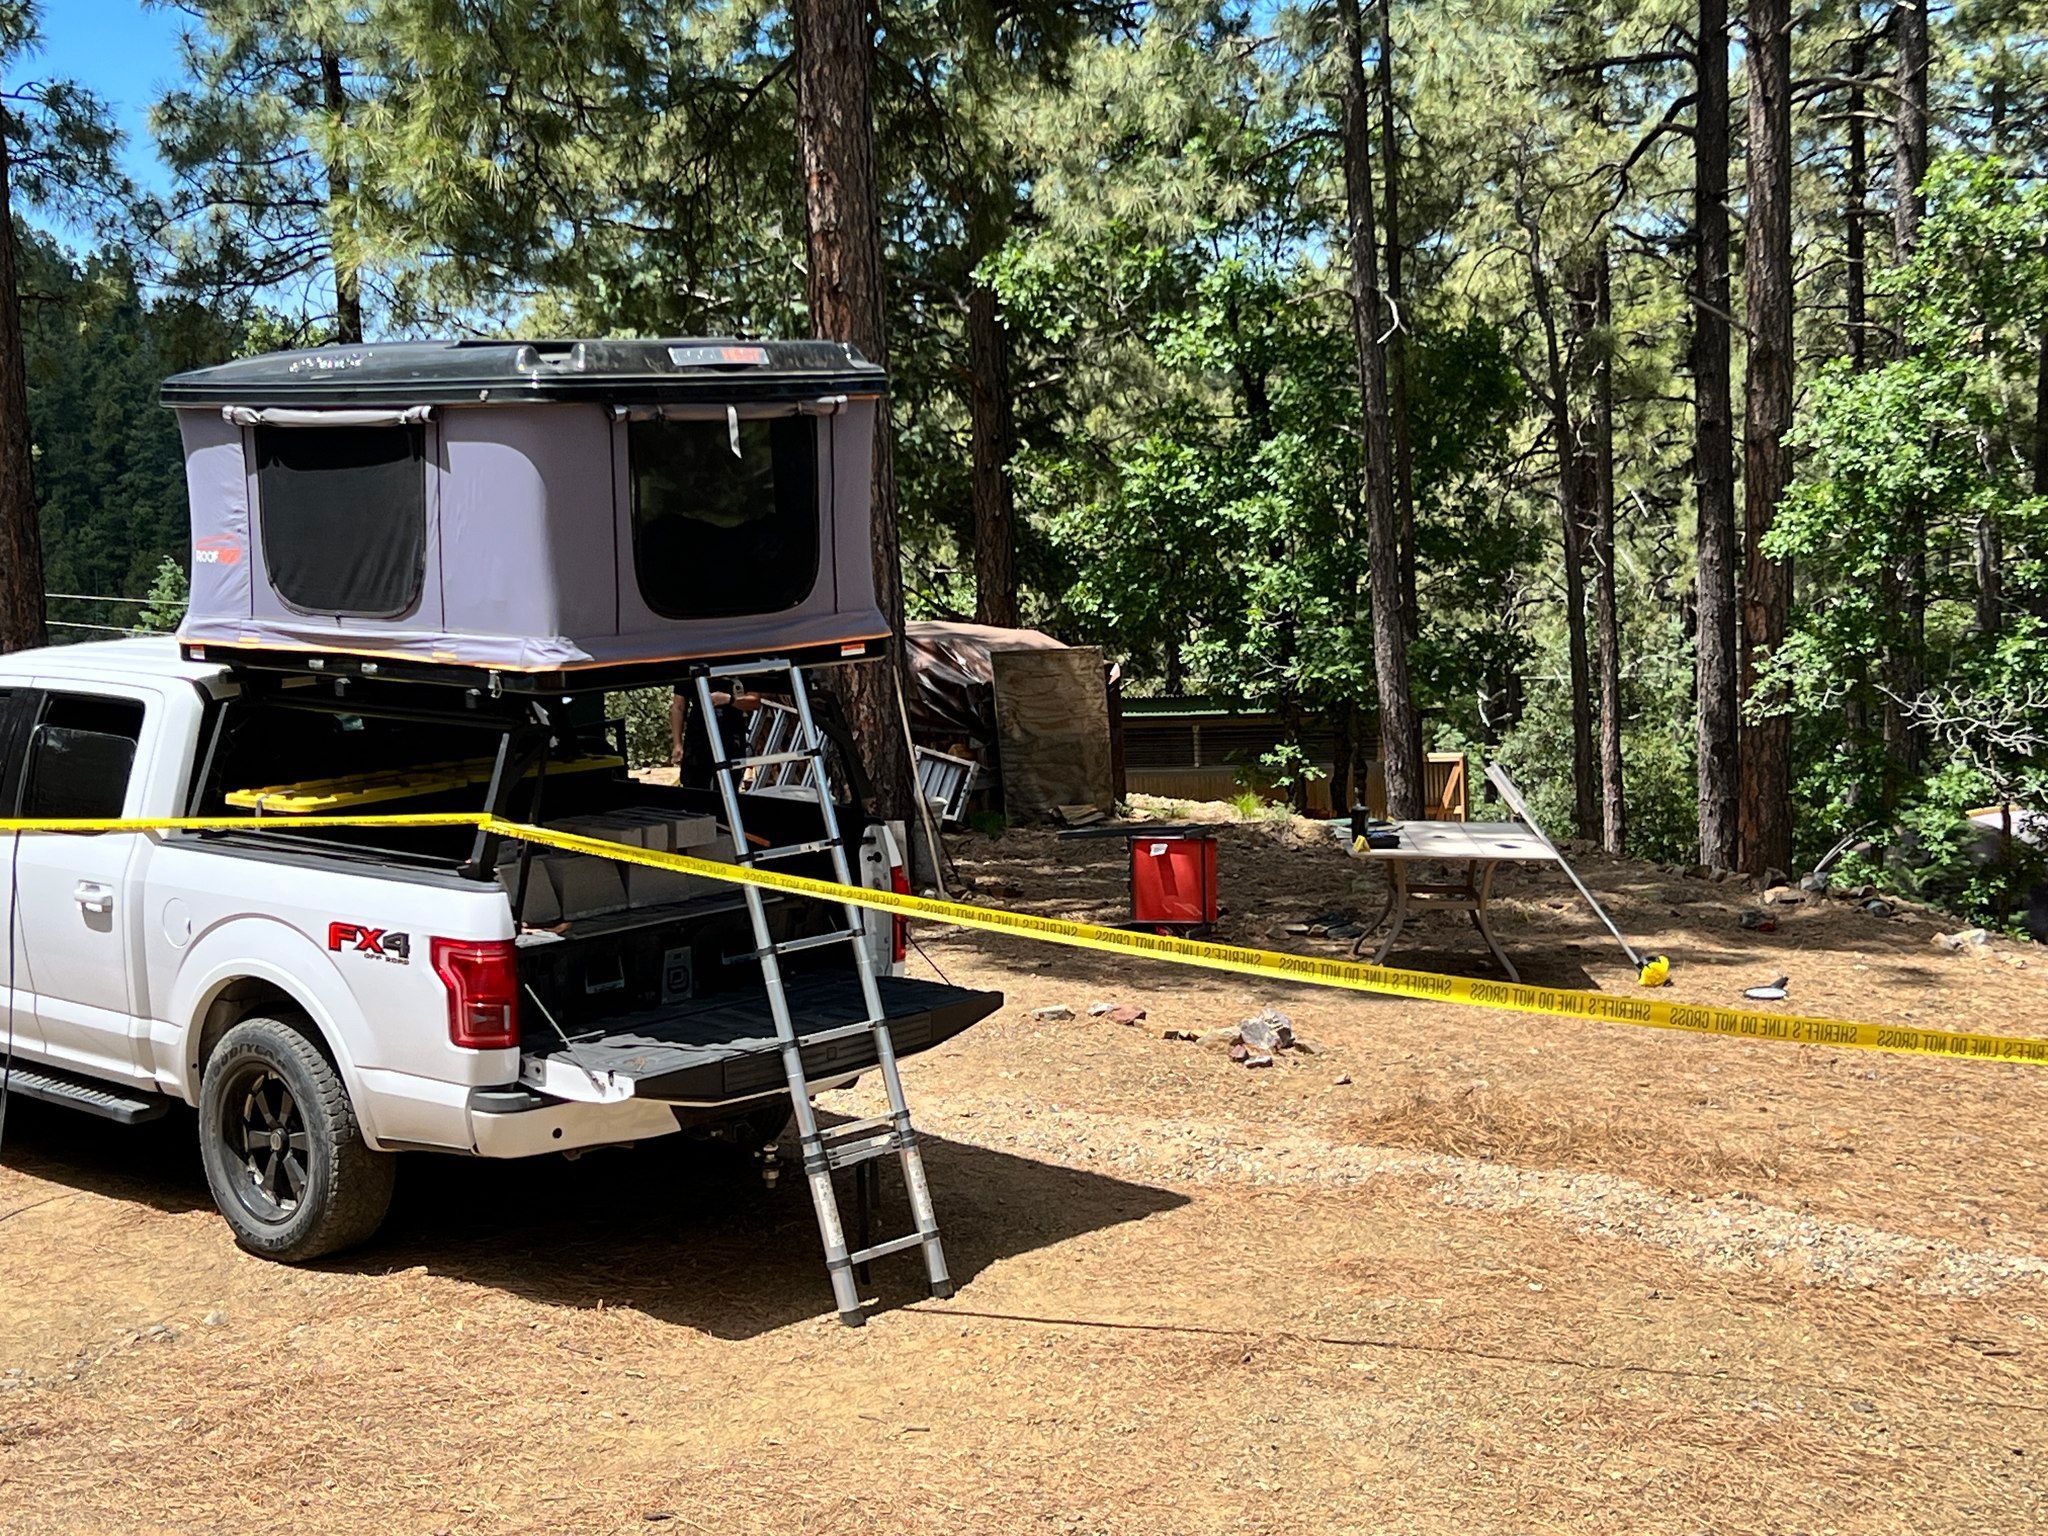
{"points": [[1173, 881]]}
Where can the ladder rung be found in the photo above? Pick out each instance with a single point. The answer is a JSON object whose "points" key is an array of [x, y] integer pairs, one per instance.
{"points": [[797, 946], [856, 1128], [853, 1154], [768, 760], [882, 1250], [843, 1032], [789, 850]]}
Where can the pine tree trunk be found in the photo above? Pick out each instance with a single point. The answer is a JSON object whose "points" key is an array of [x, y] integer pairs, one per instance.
{"points": [[1400, 736], [1856, 313], [1909, 128], [1854, 213], [21, 539], [843, 243], [1606, 597], [2039, 605], [348, 293], [1573, 469], [1344, 732], [1578, 492], [993, 426], [1766, 754], [1906, 593], [1397, 343], [2041, 416], [1990, 578], [1715, 681]]}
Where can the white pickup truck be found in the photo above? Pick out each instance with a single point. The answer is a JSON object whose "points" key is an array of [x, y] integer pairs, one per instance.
{"points": [[327, 999]]}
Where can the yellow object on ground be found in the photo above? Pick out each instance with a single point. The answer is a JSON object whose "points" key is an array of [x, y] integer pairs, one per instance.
{"points": [[1656, 971]]}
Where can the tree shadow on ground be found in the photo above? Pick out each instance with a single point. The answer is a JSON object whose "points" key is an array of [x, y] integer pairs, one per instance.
{"points": [[684, 1231]]}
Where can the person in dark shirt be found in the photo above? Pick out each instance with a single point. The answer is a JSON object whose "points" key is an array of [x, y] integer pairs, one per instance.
{"points": [[690, 743]]}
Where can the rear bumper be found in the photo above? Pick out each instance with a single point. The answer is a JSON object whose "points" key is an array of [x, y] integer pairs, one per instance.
{"points": [[554, 1125]]}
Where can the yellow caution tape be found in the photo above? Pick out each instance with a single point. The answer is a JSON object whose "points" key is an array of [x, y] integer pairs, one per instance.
{"points": [[1562, 1003], [1427, 986]]}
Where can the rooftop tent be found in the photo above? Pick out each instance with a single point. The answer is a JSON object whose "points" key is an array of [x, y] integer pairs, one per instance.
{"points": [[555, 512]]}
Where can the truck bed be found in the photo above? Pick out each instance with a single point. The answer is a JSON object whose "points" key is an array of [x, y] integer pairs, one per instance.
{"points": [[717, 1050]]}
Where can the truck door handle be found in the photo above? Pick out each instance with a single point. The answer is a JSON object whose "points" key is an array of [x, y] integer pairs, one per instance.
{"points": [[93, 896]]}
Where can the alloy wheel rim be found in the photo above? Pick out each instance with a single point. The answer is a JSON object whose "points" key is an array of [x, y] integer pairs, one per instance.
{"points": [[269, 1152]]}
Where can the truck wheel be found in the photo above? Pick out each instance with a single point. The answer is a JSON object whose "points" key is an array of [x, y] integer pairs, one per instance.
{"points": [[284, 1156]]}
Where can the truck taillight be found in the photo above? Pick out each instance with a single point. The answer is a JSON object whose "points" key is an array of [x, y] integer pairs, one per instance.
{"points": [[482, 977], [899, 928]]}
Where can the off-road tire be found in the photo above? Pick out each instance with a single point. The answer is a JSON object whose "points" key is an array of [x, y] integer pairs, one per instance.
{"points": [[343, 1189]]}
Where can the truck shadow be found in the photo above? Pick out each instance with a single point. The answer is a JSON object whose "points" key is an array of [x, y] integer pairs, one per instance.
{"points": [[154, 1164], [688, 1234], [684, 1232]]}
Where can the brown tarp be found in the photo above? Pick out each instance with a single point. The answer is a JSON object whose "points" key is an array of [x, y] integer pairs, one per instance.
{"points": [[952, 694], [953, 689]]}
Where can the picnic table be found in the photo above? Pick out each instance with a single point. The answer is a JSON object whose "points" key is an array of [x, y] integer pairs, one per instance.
{"points": [[1480, 846]]}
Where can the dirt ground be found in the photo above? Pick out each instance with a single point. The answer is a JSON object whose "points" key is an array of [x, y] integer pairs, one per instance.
{"points": [[1458, 1272]]}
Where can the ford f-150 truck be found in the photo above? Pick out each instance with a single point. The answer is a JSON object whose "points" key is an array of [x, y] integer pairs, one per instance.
{"points": [[330, 997]]}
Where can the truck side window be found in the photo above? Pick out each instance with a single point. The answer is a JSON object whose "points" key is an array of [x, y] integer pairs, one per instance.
{"points": [[79, 756]]}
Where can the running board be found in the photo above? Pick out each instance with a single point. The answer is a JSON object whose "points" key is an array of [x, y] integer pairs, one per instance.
{"points": [[123, 1106]]}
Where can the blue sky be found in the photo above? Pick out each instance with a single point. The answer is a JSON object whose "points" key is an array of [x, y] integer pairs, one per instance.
{"points": [[124, 52]]}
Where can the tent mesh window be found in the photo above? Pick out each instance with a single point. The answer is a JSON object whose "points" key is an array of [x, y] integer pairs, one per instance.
{"points": [[344, 517], [718, 532]]}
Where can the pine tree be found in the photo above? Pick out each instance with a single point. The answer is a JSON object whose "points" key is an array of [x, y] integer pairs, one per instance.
{"points": [[21, 545], [56, 149], [1716, 684], [1400, 740], [834, 50], [1766, 743], [259, 146], [1397, 329]]}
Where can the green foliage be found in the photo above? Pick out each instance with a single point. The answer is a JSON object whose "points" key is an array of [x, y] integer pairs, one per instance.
{"points": [[109, 472], [645, 711], [258, 142], [61, 139], [1920, 453], [169, 594]]}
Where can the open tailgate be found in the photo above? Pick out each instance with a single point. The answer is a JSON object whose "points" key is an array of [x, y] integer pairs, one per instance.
{"points": [[722, 1049]]}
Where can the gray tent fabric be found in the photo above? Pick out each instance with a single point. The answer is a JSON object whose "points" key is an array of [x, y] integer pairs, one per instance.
{"points": [[507, 541]]}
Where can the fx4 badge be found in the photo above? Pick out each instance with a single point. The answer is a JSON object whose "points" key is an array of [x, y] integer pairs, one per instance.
{"points": [[377, 943]]}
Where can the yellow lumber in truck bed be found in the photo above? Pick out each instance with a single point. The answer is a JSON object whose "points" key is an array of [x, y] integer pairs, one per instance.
{"points": [[310, 797]]}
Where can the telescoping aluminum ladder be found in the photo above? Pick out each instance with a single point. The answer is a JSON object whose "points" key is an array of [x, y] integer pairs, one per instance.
{"points": [[858, 1141]]}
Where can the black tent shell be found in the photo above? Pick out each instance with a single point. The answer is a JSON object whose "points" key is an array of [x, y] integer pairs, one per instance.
{"points": [[705, 369]]}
